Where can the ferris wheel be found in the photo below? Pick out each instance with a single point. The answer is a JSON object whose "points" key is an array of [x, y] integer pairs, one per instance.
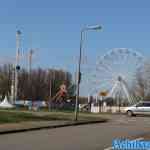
{"points": [[115, 72]]}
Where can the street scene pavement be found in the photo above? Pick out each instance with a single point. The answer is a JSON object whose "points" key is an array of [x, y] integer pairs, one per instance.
{"points": [[87, 137]]}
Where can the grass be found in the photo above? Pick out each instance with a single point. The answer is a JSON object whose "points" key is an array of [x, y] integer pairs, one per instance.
{"points": [[15, 116]]}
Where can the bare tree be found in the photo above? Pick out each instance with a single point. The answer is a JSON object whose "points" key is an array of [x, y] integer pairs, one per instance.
{"points": [[36, 87], [142, 82]]}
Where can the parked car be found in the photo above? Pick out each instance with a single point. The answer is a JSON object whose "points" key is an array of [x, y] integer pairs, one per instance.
{"points": [[141, 108], [85, 107]]}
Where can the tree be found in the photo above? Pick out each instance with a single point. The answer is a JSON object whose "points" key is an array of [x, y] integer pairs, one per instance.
{"points": [[5, 80], [36, 84], [142, 81]]}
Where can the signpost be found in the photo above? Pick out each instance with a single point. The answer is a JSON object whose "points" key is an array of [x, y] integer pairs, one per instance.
{"points": [[103, 94]]}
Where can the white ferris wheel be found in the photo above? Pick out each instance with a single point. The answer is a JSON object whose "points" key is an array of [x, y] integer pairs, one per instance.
{"points": [[115, 72]]}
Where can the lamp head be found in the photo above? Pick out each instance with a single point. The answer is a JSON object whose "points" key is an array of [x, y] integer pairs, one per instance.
{"points": [[94, 27]]}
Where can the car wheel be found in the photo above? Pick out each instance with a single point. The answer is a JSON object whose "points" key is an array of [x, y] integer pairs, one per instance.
{"points": [[129, 113]]}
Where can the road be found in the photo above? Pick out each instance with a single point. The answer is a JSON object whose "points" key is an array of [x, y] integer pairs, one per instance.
{"points": [[86, 137]]}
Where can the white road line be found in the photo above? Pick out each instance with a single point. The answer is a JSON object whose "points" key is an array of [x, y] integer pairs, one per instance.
{"points": [[138, 139], [109, 148]]}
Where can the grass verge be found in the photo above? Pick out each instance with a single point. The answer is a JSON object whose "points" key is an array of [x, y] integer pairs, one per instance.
{"points": [[13, 116]]}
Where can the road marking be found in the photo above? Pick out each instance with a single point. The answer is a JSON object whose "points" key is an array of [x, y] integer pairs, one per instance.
{"points": [[109, 148], [138, 139]]}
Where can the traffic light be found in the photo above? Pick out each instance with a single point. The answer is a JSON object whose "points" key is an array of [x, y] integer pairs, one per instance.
{"points": [[80, 75], [17, 67]]}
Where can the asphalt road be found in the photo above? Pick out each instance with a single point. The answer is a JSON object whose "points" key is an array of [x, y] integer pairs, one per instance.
{"points": [[86, 137]]}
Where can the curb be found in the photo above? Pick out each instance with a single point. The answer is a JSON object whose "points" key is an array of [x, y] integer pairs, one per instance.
{"points": [[52, 126]]}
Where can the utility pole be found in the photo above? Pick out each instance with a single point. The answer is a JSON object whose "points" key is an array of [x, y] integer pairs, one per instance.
{"points": [[50, 89], [17, 67], [30, 55], [66, 75], [31, 52], [13, 84]]}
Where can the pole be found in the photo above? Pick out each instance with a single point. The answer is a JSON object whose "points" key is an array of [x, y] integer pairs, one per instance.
{"points": [[119, 101], [50, 91], [31, 52], [13, 85], [17, 63], [89, 98], [78, 77], [97, 27], [30, 55]]}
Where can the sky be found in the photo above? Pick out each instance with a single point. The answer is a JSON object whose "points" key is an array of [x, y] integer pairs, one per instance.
{"points": [[52, 28]]}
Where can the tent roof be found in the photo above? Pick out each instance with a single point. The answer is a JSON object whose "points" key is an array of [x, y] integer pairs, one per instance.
{"points": [[5, 104]]}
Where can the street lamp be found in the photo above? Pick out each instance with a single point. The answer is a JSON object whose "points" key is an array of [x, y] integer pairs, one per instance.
{"points": [[96, 28]]}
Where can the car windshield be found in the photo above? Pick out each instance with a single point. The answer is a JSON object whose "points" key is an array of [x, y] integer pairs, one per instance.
{"points": [[139, 104]]}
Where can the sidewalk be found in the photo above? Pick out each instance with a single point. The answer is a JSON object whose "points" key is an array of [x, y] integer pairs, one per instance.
{"points": [[21, 121], [31, 126]]}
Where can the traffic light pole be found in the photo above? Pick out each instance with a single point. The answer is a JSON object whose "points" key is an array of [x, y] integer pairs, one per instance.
{"points": [[17, 67]]}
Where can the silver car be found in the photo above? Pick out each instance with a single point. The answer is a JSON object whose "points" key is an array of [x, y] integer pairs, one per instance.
{"points": [[141, 108]]}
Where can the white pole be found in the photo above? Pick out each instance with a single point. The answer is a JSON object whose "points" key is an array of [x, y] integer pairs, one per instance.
{"points": [[96, 98], [89, 98], [17, 62], [13, 84]]}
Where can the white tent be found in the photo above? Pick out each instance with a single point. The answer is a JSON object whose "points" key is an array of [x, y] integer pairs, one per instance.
{"points": [[5, 104]]}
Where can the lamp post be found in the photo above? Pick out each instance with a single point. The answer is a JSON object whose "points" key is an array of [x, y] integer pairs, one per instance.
{"points": [[95, 27]]}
